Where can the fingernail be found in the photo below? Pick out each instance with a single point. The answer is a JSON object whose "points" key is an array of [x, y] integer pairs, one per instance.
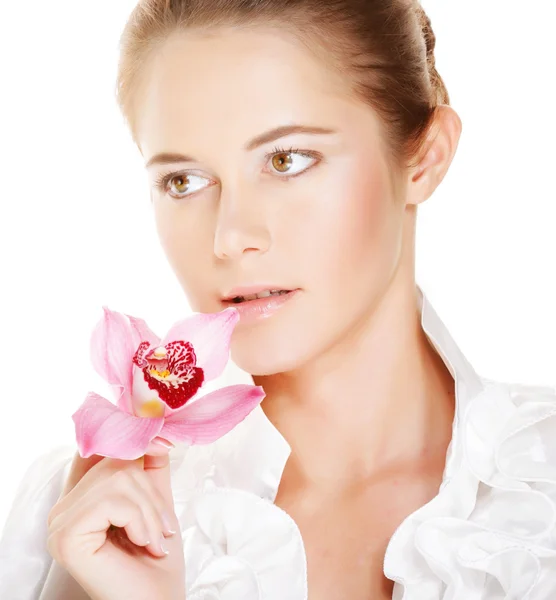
{"points": [[162, 546], [167, 524], [163, 442]]}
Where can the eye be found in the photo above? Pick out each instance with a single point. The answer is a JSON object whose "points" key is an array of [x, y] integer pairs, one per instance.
{"points": [[184, 184], [292, 162]]}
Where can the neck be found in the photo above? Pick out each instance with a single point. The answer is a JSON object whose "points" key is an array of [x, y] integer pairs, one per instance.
{"points": [[349, 415]]}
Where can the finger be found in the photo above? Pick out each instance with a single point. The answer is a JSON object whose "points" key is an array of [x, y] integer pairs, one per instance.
{"points": [[74, 521], [158, 470], [159, 447], [169, 524], [83, 527], [127, 482], [75, 486], [84, 473]]}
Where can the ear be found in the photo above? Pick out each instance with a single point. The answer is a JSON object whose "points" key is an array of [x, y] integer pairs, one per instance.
{"points": [[438, 151]]}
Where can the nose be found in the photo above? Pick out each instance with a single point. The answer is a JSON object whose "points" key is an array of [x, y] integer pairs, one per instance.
{"points": [[240, 227]]}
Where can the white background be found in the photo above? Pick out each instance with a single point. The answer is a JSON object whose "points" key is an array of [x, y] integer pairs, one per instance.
{"points": [[77, 230]]}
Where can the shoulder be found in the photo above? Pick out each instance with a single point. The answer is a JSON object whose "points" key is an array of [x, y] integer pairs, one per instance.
{"points": [[50, 464], [529, 391], [43, 476], [509, 438], [535, 408], [512, 427], [491, 530], [39, 488], [517, 398], [518, 406]]}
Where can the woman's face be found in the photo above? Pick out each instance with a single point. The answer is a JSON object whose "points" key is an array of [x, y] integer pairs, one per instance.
{"points": [[230, 216]]}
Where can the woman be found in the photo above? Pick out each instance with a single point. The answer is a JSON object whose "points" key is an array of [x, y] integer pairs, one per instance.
{"points": [[289, 145]]}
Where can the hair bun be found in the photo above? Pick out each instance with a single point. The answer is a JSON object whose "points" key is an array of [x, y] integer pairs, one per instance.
{"points": [[428, 33], [430, 43]]}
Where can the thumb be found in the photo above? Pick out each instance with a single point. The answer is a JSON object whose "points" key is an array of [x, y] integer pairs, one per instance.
{"points": [[156, 465]]}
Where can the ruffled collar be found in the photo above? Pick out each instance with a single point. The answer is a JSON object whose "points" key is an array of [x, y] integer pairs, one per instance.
{"points": [[465, 543]]}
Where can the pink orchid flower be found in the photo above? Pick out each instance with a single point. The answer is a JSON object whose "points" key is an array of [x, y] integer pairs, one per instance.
{"points": [[157, 382]]}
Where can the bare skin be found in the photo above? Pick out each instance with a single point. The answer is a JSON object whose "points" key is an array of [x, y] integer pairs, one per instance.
{"points": [[346, 528], [95, 559], [351, 382]]}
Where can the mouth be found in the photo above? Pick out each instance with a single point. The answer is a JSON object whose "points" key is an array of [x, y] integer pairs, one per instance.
{"points": [[233, 300], [253, 308]]}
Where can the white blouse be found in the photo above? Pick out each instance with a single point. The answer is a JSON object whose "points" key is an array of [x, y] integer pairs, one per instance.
{"points": [[489, 533]]}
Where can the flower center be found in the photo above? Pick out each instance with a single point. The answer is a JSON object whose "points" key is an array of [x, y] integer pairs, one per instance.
{"points": [[160, 374], [170, 372]]}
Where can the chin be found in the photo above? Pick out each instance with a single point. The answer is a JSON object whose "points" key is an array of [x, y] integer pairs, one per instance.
{"points": [[268, 358]]}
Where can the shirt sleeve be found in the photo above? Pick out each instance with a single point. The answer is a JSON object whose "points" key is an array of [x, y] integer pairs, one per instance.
{"points": [[24, 557]]}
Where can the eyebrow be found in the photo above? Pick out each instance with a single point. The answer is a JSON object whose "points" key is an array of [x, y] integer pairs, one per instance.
{"points": [[165, 158]]}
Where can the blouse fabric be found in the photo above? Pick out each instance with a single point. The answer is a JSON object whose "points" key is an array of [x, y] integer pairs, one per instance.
{"points": [[488, 534]]}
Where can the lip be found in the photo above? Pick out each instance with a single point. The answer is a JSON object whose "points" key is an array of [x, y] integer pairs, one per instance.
{"points": [[263, 308], [248, 290]]}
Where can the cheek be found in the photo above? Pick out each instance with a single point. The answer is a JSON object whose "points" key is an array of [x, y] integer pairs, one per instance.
{"points": [[182, 245], [174, 240], [353, 232]]}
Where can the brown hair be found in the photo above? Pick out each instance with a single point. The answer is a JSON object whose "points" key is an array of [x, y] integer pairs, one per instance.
{"points": [[384, 47]]}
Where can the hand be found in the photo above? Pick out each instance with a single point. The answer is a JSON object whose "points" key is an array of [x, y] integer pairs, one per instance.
{"points": [[107, 526]]}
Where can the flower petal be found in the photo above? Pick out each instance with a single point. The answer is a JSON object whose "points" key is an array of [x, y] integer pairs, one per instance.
{"points": [[210, 334], [102, 428], [141, 332], [210, 417], [112, 351]]}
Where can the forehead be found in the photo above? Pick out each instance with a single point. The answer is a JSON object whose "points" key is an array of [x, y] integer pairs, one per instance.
{"points": [[231, 84]]}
